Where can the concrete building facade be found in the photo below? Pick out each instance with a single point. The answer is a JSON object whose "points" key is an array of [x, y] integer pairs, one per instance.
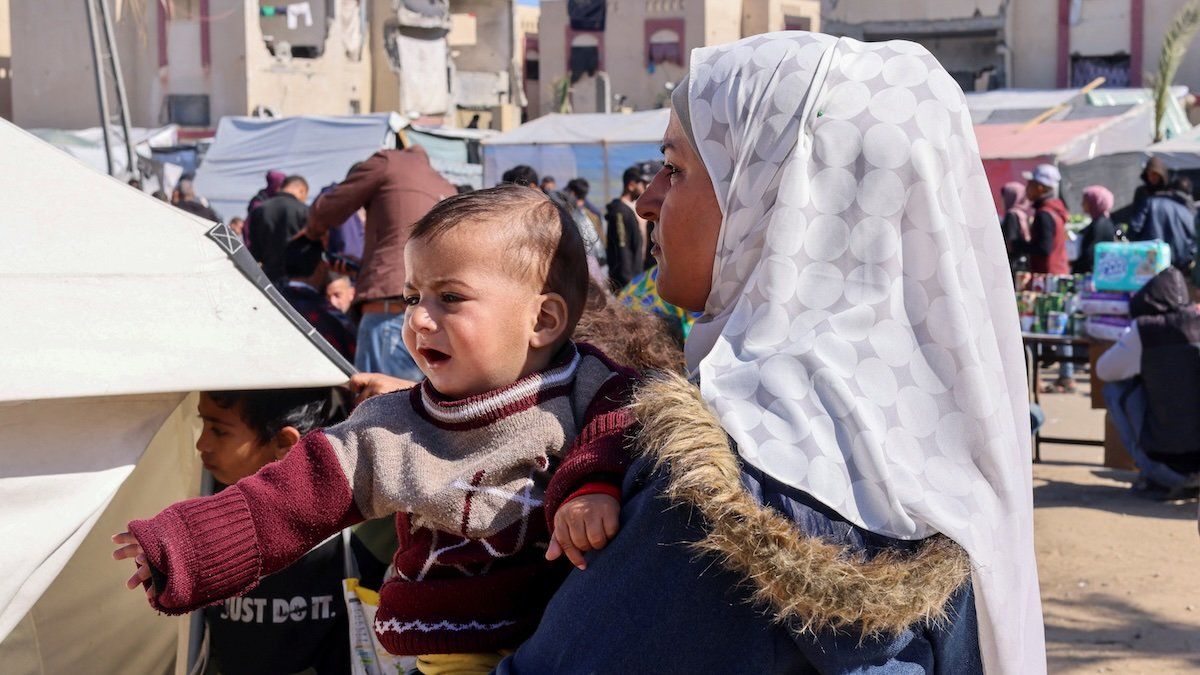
{"points": [[1024, 43], [642, 52], [190, 62]]}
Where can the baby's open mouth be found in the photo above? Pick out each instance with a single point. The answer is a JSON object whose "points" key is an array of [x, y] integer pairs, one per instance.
{"points": [[433, 356]]}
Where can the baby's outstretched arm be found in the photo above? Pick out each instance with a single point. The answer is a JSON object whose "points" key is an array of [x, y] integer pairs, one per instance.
{"points": [[200, 551], [586, 523]]}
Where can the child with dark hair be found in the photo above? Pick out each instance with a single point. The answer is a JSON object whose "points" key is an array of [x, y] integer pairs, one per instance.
{"points": [[508, 455], [293, 620], [308, 274]]}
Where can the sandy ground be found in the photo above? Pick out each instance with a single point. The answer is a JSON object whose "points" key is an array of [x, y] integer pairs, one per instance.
{"points": [[1120, 575]]}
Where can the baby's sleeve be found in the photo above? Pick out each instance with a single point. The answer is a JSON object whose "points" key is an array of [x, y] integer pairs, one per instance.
{"points": [[204, 550], [597, 459]]}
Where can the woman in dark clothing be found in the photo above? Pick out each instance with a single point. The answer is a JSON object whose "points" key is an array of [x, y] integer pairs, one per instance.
{"points": [[843, 485], [1097, 203]]}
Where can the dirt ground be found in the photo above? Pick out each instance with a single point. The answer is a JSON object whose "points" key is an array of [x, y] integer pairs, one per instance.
{"points": [[1120, 575]]}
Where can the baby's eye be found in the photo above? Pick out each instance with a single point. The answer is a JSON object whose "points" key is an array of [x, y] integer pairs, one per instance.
{"points": [[450, 297], [412, 300]]}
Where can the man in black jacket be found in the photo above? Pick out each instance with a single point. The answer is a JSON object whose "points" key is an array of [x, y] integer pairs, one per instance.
{"points": [[274, 223], [627, 237]]}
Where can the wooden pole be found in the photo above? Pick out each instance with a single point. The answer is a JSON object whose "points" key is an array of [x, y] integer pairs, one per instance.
{"points": [[1047, 114]]}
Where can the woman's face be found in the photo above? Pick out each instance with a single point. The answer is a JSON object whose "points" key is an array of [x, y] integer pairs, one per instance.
{"points": [[681, 201]]}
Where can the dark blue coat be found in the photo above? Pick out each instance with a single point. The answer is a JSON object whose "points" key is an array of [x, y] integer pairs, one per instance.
{"points": [[1167, 220], [649, 603]]}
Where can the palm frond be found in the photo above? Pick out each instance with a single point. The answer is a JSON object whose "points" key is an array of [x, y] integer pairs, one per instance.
{"points": [[1176, 40], [562, 94]]}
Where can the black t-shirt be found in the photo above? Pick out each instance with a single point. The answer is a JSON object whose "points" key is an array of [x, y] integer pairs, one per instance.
{"points": [[294, 620]]}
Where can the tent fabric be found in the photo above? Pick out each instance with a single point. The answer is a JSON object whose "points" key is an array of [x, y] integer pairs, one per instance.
{"points": [[1180, 153], [322, 149], [87, 145], [1009, 141], [594, 146], [121, 307], [639, 127], [87, 621]]}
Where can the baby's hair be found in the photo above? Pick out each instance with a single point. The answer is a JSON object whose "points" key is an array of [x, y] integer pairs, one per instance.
{"points": [[543, 242], [267, 412]]}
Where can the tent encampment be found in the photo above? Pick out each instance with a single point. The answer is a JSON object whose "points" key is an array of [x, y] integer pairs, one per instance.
{"points": [[119, 307], [322, 149], [1099, 137], [595, 146]]}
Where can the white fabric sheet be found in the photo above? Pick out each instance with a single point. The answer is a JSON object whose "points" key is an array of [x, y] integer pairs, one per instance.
{"points": [[861, 339], [424, 87], [117, 305]]}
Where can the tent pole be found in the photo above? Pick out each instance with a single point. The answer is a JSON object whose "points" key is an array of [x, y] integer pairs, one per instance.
{"points": [[119, 80], [607, 196], [101, 89]]}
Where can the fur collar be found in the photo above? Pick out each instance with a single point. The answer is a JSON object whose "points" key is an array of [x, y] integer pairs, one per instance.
{"points": [[803, 581]]}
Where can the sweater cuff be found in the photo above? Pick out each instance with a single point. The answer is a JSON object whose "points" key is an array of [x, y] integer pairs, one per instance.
{"points": [[206, 550], [595, 488]]}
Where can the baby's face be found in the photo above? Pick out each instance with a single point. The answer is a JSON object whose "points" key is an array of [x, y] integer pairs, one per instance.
{"points": [[469, 320]]}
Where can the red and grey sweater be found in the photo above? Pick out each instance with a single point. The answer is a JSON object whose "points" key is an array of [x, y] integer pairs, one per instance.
{"points": [[474, 485]]}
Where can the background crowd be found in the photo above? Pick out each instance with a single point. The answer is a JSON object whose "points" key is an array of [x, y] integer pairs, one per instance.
{"points": [[1153, 370]]}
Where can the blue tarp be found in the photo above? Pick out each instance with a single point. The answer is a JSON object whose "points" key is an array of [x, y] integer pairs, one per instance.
{"points": [[322, 149]]}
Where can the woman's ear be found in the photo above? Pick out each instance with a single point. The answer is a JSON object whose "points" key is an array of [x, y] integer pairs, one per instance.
{"points": [[284, 440], [551, 321]]}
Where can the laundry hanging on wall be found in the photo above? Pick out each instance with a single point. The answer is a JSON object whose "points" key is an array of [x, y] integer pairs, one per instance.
{"points": [[586, 14]]}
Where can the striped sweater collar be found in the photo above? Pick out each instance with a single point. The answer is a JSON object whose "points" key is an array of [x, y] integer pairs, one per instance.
{"points": [[490, 406]]}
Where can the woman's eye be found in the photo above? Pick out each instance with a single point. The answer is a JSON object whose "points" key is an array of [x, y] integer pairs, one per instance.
{"points": [[450, 297], [412, 300]]}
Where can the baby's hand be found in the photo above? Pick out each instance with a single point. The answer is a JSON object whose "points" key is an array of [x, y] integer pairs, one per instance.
{"points": [[583, 524], [128, 547]]}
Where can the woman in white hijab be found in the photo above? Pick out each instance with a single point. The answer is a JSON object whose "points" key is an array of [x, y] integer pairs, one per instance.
{"points": [[824, 204]]}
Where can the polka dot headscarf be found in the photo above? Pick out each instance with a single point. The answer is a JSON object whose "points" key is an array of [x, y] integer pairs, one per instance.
{"points": [[861, 341]]}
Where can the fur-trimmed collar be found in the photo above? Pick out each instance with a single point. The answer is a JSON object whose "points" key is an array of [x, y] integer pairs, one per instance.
{"points": [[804, 581]]}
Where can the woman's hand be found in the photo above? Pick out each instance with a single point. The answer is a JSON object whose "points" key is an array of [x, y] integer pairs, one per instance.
{"points": [[586, 523], [366, 385]]}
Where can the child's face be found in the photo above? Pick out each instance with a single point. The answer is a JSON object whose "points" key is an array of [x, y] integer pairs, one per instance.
{"points": [[229, 448], [340, 294], [470, 322]]}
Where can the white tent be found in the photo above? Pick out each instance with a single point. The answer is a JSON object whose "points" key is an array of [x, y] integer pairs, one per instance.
{"points": [[87, 145], [1181, 152], [595, 146], [320, 148], [117, 307]]}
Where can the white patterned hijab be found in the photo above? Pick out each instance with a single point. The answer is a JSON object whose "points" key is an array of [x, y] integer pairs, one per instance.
{"points": [[861, 341]]}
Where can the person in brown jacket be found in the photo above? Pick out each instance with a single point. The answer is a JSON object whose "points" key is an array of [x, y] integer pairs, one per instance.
{"points": [[397, 188]]}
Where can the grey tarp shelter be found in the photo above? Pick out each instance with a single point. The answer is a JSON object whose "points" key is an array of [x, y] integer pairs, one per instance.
{"points": [[595, 146], [321, 149]]}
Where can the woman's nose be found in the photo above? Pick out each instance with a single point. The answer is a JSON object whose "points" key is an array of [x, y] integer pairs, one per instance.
{"points": [[650, 202]]}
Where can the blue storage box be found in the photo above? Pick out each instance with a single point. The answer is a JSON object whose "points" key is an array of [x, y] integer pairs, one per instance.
{"points": [[1127, 266]]}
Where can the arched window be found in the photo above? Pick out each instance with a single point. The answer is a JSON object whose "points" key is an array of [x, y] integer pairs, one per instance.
{"points": [[664, 42]]}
